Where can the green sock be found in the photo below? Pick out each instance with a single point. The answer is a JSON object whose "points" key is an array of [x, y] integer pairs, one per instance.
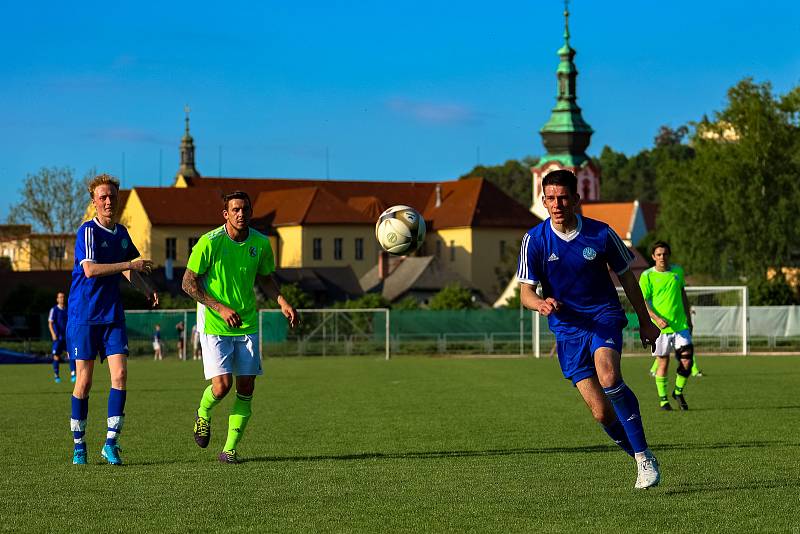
{"points": [[680, 383], [654, 367], [695, 368], [207, 403], [237, 421], [661, 386]]}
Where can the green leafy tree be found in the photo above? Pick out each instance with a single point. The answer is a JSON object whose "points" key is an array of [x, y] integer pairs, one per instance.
{"points": [[625, 179], [773, 292], [731, 211], [452, 297], [408, 303], [293, 294], [368, 300], [512, 177]]}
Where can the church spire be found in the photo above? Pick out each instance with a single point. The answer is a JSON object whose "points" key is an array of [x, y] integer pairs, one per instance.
{"points": [[566, 135], [187, 168]]}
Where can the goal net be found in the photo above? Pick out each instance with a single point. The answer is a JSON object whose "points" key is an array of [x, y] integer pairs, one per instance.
{"points": [[719, 318], [326, 332]]}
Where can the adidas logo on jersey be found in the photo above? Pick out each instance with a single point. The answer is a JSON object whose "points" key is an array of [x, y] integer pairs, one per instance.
{"points": [[610, 341], [104, 245], [552, 257]]}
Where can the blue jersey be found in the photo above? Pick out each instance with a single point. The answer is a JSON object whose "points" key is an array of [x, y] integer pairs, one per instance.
{"points": [[97, 300], [58, 316], [572, 268]]}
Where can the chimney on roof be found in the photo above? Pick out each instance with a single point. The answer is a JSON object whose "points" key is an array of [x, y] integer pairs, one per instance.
{"points": [[383, 265], [438, 195]]}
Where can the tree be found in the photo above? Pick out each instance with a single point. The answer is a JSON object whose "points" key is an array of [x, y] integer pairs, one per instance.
{"points": [[513, 177], [408, 303], [367, 300], [293, 294], [53, 202], [625, 179], [773, 292], [731, 211], [452, 297]]}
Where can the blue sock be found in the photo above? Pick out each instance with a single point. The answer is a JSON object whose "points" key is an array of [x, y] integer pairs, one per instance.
{"points": [[627, 407], [617, 433], [116, 414], [77, 422], [72, 366], [55, 367]]}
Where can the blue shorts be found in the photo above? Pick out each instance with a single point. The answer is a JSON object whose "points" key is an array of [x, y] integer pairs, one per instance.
{"points": [[59, 346], [86, 341], [576, 354]]}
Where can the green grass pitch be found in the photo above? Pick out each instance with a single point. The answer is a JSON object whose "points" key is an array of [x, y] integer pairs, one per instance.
{"points": [[409, 445]]}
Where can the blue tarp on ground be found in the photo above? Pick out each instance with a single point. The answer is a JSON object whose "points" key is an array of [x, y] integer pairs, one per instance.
{"points": [[9, 356]]}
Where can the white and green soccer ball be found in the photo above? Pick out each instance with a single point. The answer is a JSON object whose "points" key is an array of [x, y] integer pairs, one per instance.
{"points": [[400, 230]]}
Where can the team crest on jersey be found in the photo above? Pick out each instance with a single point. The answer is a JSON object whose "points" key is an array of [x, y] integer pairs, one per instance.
{"points": [[124, 243], [589, 253], [253, 251]]}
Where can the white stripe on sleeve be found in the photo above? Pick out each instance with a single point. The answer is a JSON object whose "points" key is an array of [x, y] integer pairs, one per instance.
{"points": [[523, 271], [623, 251]]}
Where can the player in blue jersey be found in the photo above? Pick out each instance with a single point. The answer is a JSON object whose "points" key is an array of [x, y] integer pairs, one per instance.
{"points": [[57, 323], [96, 325], [569, 256]]}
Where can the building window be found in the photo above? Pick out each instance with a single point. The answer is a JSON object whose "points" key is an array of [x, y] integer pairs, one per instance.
{"points": [[192, 242], [317, 248], [57, 252], [172, 248], [337, 248], [452, 250], [502, 249], [359, 248]]}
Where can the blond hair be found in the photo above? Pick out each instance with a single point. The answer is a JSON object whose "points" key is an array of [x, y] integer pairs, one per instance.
{"points": [[102, 179]]}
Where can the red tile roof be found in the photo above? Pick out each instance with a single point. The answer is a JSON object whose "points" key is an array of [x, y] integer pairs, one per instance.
{"points": [[618, 215], [306, 205], [182, 206], [469, 202]]}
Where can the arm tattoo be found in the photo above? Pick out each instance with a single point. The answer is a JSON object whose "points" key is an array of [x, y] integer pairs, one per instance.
{"points": [[192, 286]]}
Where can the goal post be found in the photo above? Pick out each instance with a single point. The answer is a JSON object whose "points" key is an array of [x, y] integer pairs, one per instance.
{"points": [[326, 332]]}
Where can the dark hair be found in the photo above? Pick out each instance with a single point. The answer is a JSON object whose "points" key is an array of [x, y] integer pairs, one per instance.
{"points": [[660, 244], [561, 177], [235, 195]]}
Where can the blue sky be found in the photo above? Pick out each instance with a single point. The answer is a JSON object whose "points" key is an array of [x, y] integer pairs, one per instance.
{"points": [[413, 90]]}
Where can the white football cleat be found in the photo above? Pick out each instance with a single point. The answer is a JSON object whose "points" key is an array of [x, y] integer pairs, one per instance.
{"points": [[649, 475]]}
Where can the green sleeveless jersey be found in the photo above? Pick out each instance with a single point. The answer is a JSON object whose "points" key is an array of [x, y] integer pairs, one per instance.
{"points": [[663, 291], [229, 269]]}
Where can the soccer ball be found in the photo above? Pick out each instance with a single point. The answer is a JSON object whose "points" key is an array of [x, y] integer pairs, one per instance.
{"points": [[400, 230]]}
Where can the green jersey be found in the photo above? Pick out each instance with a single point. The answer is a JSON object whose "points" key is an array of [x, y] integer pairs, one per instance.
{"points": [[663, 291], [229, 268]]}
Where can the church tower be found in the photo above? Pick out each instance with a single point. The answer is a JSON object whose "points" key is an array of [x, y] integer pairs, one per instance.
{"points": [[566, 135], [187, 170]]}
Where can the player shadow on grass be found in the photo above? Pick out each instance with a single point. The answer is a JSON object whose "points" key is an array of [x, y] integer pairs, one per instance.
{"points": [[700, 487], [511, 452]]}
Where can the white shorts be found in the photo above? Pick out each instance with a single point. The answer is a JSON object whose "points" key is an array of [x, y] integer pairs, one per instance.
{"points": [[236, 355], [672, 342]]}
